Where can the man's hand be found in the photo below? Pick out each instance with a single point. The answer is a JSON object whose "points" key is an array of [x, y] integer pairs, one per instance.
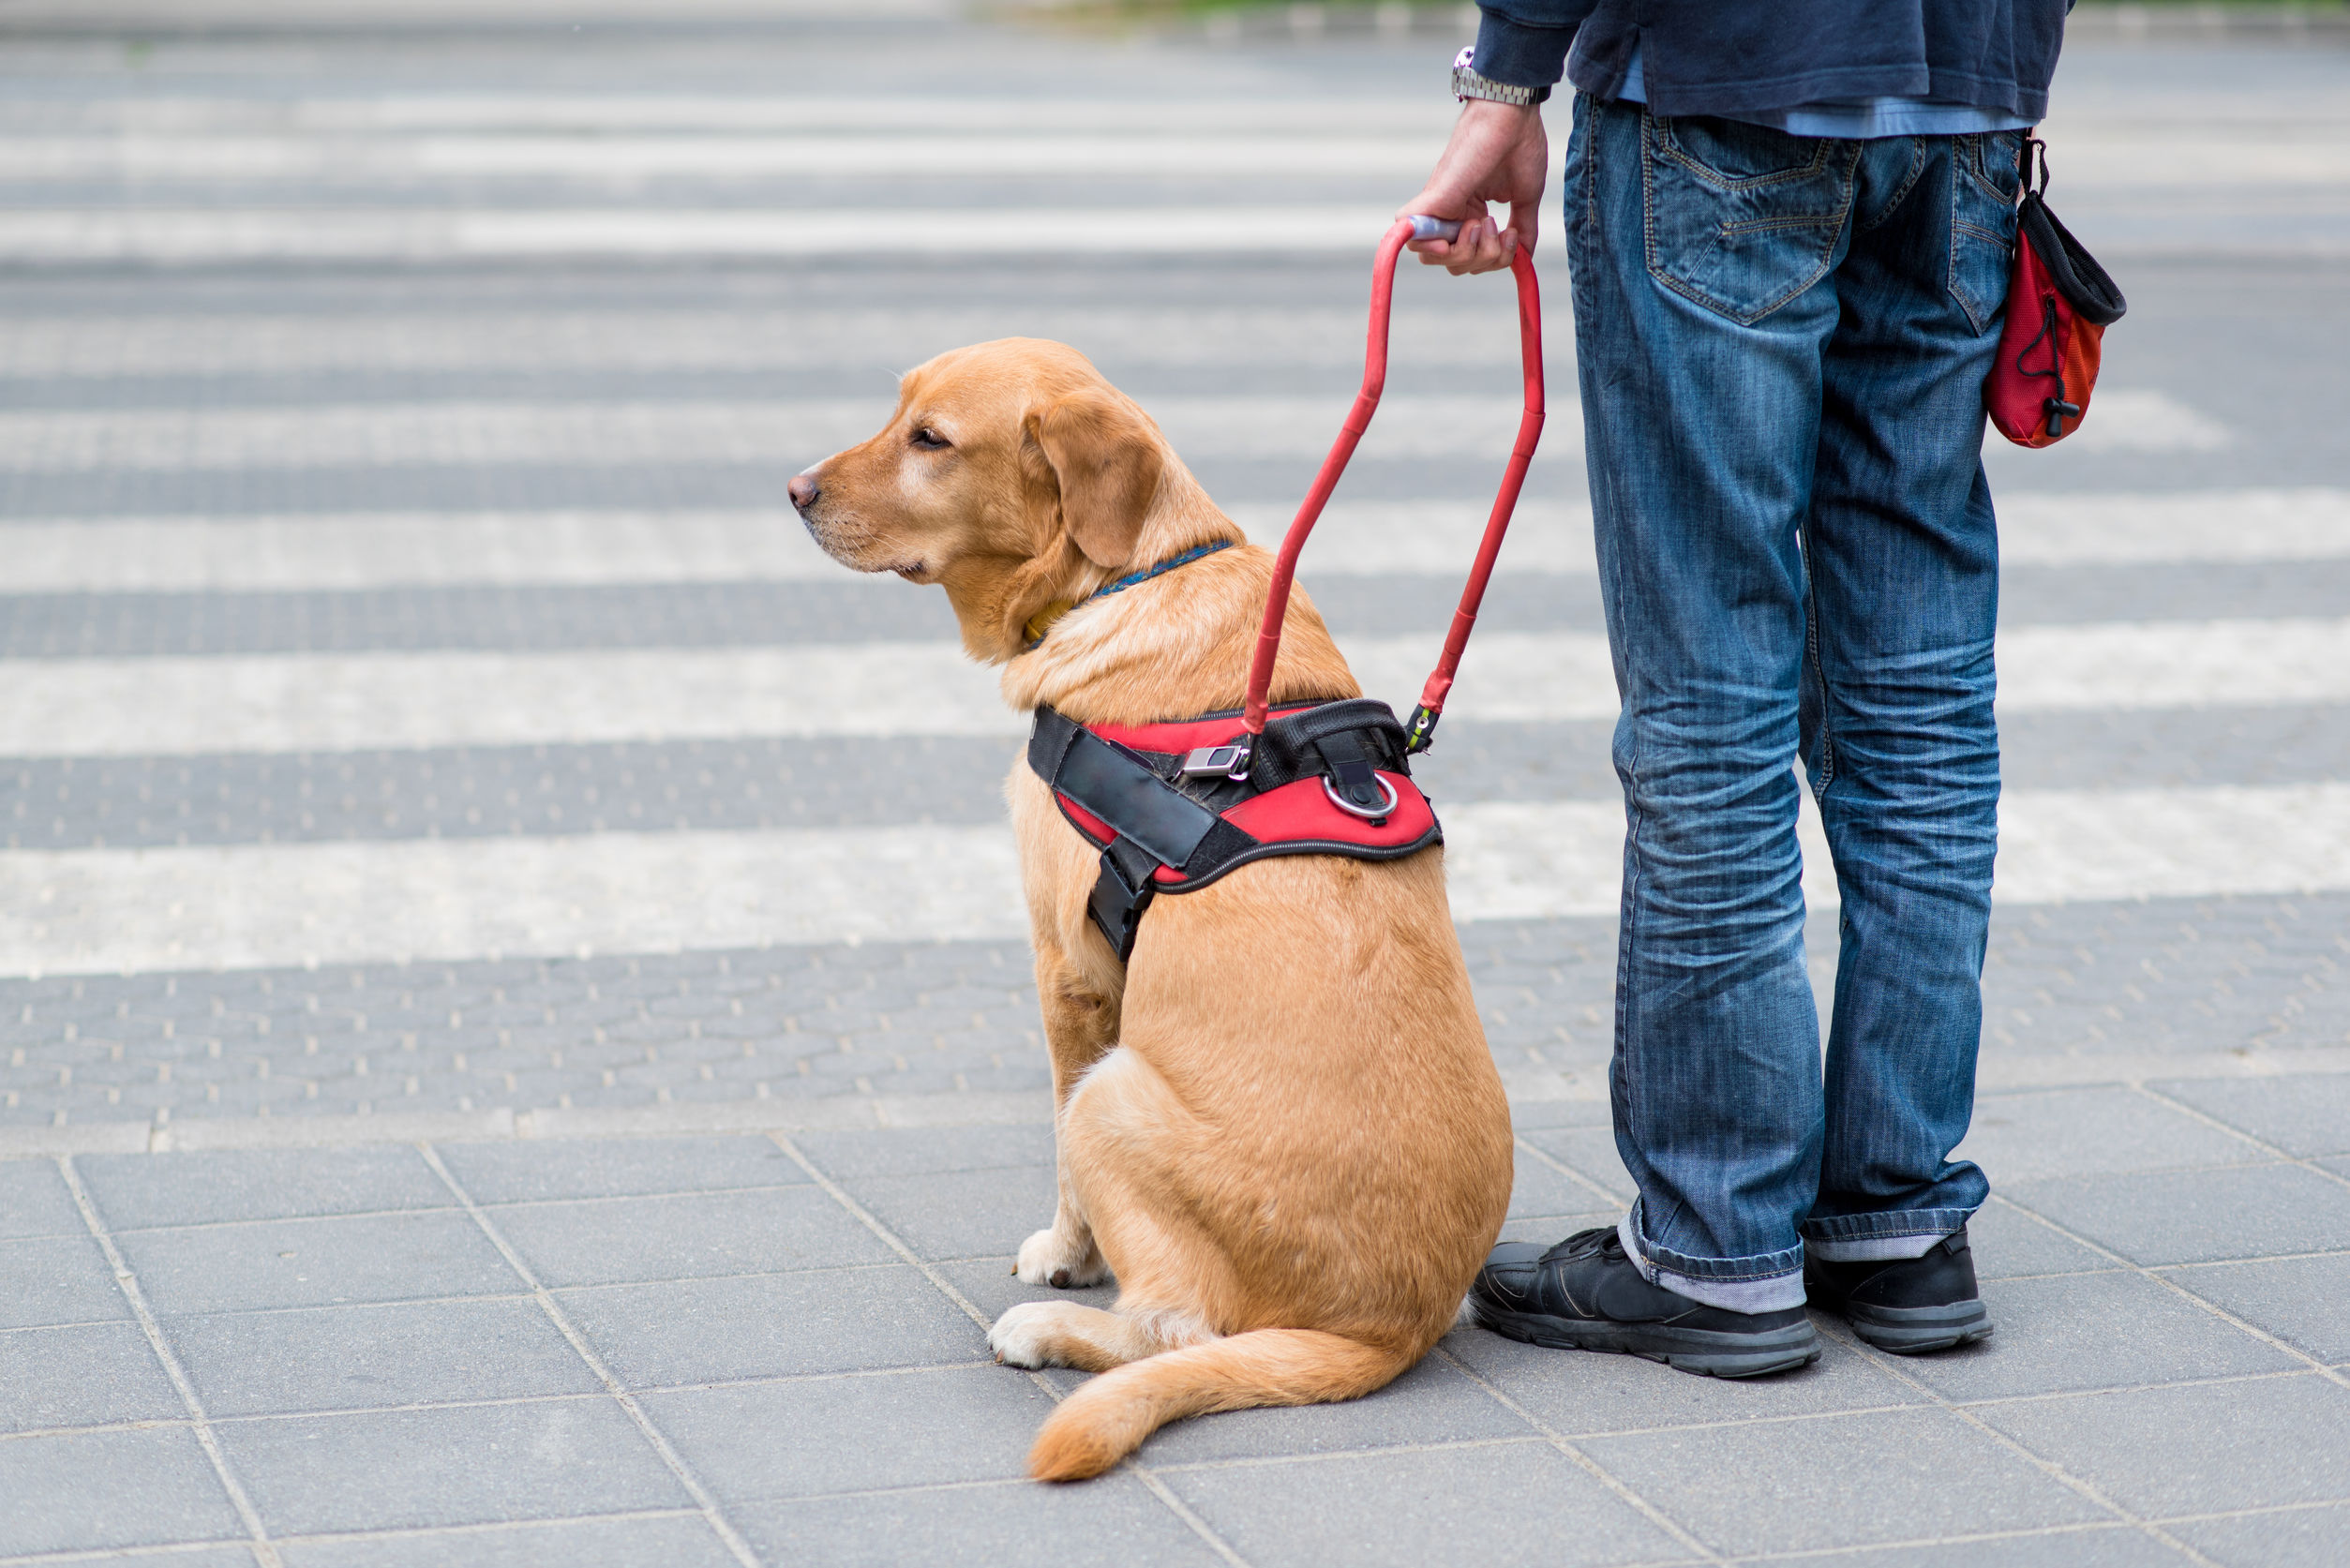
{"points": [[1497, 153]]}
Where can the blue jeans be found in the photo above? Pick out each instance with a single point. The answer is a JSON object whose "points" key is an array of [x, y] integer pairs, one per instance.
{"points": [[1782, 343]]}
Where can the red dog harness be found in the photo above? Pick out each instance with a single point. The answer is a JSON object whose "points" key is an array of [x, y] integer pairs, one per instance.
{"points": [[1174, 806]]}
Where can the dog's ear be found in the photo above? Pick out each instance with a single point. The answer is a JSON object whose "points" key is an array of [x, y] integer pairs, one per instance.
{"points": [[1107, 458]]}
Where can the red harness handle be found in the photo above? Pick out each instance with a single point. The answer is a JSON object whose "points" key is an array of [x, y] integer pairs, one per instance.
{"points": [[1383, 282]]}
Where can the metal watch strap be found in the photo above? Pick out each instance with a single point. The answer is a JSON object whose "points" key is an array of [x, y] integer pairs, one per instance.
{"points": [[1467, 84]]}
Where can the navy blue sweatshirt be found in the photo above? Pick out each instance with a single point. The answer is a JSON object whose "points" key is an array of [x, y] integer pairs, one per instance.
{"points": [[1722, 57]]}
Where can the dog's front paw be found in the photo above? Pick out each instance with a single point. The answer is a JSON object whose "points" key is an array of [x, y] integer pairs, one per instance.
{"points": [[1019, 1336], [1050, 1258]]}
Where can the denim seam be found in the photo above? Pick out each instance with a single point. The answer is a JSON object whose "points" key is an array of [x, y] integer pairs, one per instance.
{"points": [[1979, 172], [1966, 166], [1912, 1222], [1721, 179], [1917, 171], [1833, 223], [1819, 672], [1724, 1270]]}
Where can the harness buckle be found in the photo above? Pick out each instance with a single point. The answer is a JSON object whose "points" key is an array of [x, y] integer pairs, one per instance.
{"points": [[1218, 762]]}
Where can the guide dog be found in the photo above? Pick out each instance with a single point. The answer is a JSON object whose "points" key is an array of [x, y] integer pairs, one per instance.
{"points": [[1277, 1124]]}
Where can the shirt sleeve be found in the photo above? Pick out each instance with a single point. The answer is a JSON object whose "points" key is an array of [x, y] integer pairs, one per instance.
{"points": [[1523, 43]]}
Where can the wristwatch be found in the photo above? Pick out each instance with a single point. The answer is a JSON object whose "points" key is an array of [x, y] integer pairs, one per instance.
{"points": [[1467, 84]]}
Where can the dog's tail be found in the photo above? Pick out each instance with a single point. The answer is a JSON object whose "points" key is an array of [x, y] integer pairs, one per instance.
{"points": [[1108, 1418]]}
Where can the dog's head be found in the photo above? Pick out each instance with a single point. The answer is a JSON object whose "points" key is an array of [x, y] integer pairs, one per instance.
{"points": [[1012, 474]]}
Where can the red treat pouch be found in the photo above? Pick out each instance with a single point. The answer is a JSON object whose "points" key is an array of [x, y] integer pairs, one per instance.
{"points": [[2059, 302]]}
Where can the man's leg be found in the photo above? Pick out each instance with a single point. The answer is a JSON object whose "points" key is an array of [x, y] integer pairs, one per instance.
{"points": [[1899, 741], [1705, 256]]}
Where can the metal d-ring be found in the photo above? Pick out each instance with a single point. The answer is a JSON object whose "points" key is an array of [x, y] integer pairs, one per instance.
{"points": [[1350, 809]]}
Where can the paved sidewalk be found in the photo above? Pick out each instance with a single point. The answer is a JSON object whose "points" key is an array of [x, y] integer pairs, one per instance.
{"points": [[514, 1043], [773, 1349]]}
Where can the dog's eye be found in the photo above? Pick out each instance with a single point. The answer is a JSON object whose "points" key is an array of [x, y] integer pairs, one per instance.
{"points": [[930, 439]]}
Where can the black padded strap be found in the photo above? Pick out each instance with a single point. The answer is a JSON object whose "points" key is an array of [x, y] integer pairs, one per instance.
{"points": [[1119, 787], [1324, 739], [1121, 892]]}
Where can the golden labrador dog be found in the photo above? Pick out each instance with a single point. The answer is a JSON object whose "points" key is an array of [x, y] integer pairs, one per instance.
{"points": [[1279, 1125]]}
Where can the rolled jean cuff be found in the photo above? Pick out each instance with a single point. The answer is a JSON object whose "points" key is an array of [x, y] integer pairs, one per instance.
{"points": [[1770, 1282], [1875, 1238]]}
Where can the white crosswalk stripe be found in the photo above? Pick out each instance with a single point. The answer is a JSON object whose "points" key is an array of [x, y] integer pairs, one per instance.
{"points": [[333, 702], [791, 433], [388, 550], [96, 911]]}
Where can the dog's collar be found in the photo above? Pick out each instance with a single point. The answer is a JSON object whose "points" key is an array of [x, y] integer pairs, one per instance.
{"points": [[1042, 620]]}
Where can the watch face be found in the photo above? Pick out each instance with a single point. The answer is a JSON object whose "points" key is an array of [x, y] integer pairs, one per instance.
{"points": [[1461, 61]]}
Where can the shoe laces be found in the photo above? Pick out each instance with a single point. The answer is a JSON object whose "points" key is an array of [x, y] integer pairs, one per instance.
{"points": [[1601, 1241]]}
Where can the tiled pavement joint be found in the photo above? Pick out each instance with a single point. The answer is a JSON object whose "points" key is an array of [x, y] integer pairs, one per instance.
{"points": [[2161, 1278], [2091, 1493], [703, 1501], [896, 1244], [1581, 1460], [200, 1424], [2272, 1150]]}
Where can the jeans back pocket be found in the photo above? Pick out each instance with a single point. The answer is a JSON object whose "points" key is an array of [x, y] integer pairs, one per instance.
{"points": [[1984, 185], [1740, 218]]}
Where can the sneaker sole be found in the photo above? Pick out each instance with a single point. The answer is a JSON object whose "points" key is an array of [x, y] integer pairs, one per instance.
{"points": [[1916, 1330], [1701, 1352]]}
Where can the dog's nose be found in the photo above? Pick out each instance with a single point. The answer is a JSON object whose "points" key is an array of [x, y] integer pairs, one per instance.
{"points": [[803, 491]]}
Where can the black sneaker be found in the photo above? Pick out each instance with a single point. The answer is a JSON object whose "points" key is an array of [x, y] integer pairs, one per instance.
{"points": [[1585, 1294], [1907, 1306]]}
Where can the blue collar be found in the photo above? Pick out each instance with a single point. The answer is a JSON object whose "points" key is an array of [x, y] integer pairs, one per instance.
{"points": [[1043, 621]]}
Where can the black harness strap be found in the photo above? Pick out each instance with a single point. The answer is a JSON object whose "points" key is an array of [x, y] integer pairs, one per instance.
{"points": [[1156, 823], [1344, 741], [1160, 818]]}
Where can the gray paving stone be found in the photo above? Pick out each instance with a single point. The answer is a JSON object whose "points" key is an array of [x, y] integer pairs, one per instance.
{"points": [[2116, 1545], [1539, 1189], [315, 1262], [2197, 1449], [1577, 1391], [2304, 1302], [2302, 1113], [1526, 1114], [1432, 1403], [2092, 1132], [34, 1201], [141, 1192], [927, 1151], [56, 1279], [990, 1285], [83, 1375], [1856, 1480], [1409, 1509], [2071, 978], [2091, 1331], [769, 1325], [2299, 1538], [1110, 1523], [86, 1491], [962, 1214], [506, 1172], [1551, 1228], [2007, 1242], [467, 1464], [613, 1241], [807, 1437], [359, 1357], [2198, 1216], [670, 1542], [1590, 1151]]}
